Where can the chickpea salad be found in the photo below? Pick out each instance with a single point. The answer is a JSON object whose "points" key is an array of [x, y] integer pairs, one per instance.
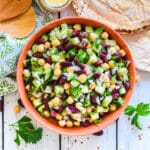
{"points": [[76, 75]]}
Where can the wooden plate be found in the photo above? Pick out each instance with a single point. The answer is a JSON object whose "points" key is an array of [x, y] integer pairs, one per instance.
{"points": [[20, 26]]}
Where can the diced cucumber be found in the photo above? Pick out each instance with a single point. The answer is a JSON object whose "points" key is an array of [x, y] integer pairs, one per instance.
{"points": [[55, 58], [106, 85], [26, 62], [70, 76], [48, 89], [99, 31], [100, 89], [26, 73], [90, 51], [122, 71], [101, 109], [34, 48], [36, 83], [59, 89], [122, 91], [84, 88], [112, 50], [74, 83], [94, 115], [74, 40], [41, 108], [37, 103], [93, 58], [48, 74], [76, 92], [89, 29], [119, 102], [107, 100], [45, 37]]}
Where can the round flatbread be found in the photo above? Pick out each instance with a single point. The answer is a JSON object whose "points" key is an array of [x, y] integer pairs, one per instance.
{"points": [[139, 44], [13, 8], [122, 15], [20, 26]]}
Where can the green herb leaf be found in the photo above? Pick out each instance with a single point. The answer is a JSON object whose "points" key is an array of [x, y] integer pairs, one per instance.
{"points": [[140, 110], [130, 110], [25, 130], [143, 109]]}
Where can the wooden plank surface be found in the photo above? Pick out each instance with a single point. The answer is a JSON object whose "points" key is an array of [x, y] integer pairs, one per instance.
{"points": [[129, 138], [49, 139]]}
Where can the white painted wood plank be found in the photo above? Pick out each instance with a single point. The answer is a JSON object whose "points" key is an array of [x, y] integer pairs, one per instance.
{"points": [[91, 142], [50, 140], [129, 136], [0, 130]]}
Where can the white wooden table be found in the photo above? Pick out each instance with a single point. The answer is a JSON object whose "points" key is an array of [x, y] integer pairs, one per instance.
{"points": [[119, 136]]}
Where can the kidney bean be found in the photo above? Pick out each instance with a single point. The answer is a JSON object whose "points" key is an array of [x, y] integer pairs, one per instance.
{"points": [[45, 101], [68, 46], [73, 108], [41, 41], [77, 62], [127, 84], [85, 123], [66, 64], [38, 55], [99, 62], [80, 47], [96, 75], [80, 72], [62, 80], [99, 133], [48, 60], [71, 58], [93, 97]]}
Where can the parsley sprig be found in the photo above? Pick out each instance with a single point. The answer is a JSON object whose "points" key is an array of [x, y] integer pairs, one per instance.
{"points": [[24, 129], [142, 109]]}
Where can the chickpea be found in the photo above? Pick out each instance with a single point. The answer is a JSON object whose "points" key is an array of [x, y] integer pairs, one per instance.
{"points": [[89, 62], [78, 105], [77, 27], [122, 53], [76, 123], [32, 98], [89, 109], [40, 48], [112, 107], [70, 69], [93, 36], [69, 123], [88, 46], [70, 100], [112, 86], [87, 70], [92, 86], [117, 47], [105, 78], [56, 101], [27, 87], [57, 72], [55, 42], [67, 86], [104, 35], [137, 78], [41, 62], [57, 66], [46, 113], [112, 81], [91, 120], [67, 91], [58, 117], [105, 66], [62, 123], [47, 45], [17, 109], [111, 64], [82, 78], [47, 66]]}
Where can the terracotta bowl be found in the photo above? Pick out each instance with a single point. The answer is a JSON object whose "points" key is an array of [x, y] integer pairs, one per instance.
{"points": [[52, 125]]}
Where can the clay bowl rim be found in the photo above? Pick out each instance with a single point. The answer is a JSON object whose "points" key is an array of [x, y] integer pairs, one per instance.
{"points": [[75, 131]]}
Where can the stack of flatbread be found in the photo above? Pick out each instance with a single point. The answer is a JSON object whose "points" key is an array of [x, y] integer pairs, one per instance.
{"points": [[129, 17]]}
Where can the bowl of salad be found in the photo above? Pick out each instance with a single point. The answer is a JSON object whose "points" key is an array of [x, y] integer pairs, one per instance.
{"points": [[75, 76]]}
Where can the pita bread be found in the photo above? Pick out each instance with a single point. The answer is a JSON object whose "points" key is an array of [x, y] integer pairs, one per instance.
{"points": [[139, 44], [13, 8], [20, 26], [121, 15]]}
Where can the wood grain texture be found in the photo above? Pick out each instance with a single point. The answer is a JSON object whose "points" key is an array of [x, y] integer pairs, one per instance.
{"points": [[13, 8], [91, 142], [129, 138], [49, 140], [20, 26]]}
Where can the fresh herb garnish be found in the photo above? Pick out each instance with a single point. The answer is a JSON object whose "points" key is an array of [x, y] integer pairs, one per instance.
{"points": [[142, 109], [24, 129]]}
